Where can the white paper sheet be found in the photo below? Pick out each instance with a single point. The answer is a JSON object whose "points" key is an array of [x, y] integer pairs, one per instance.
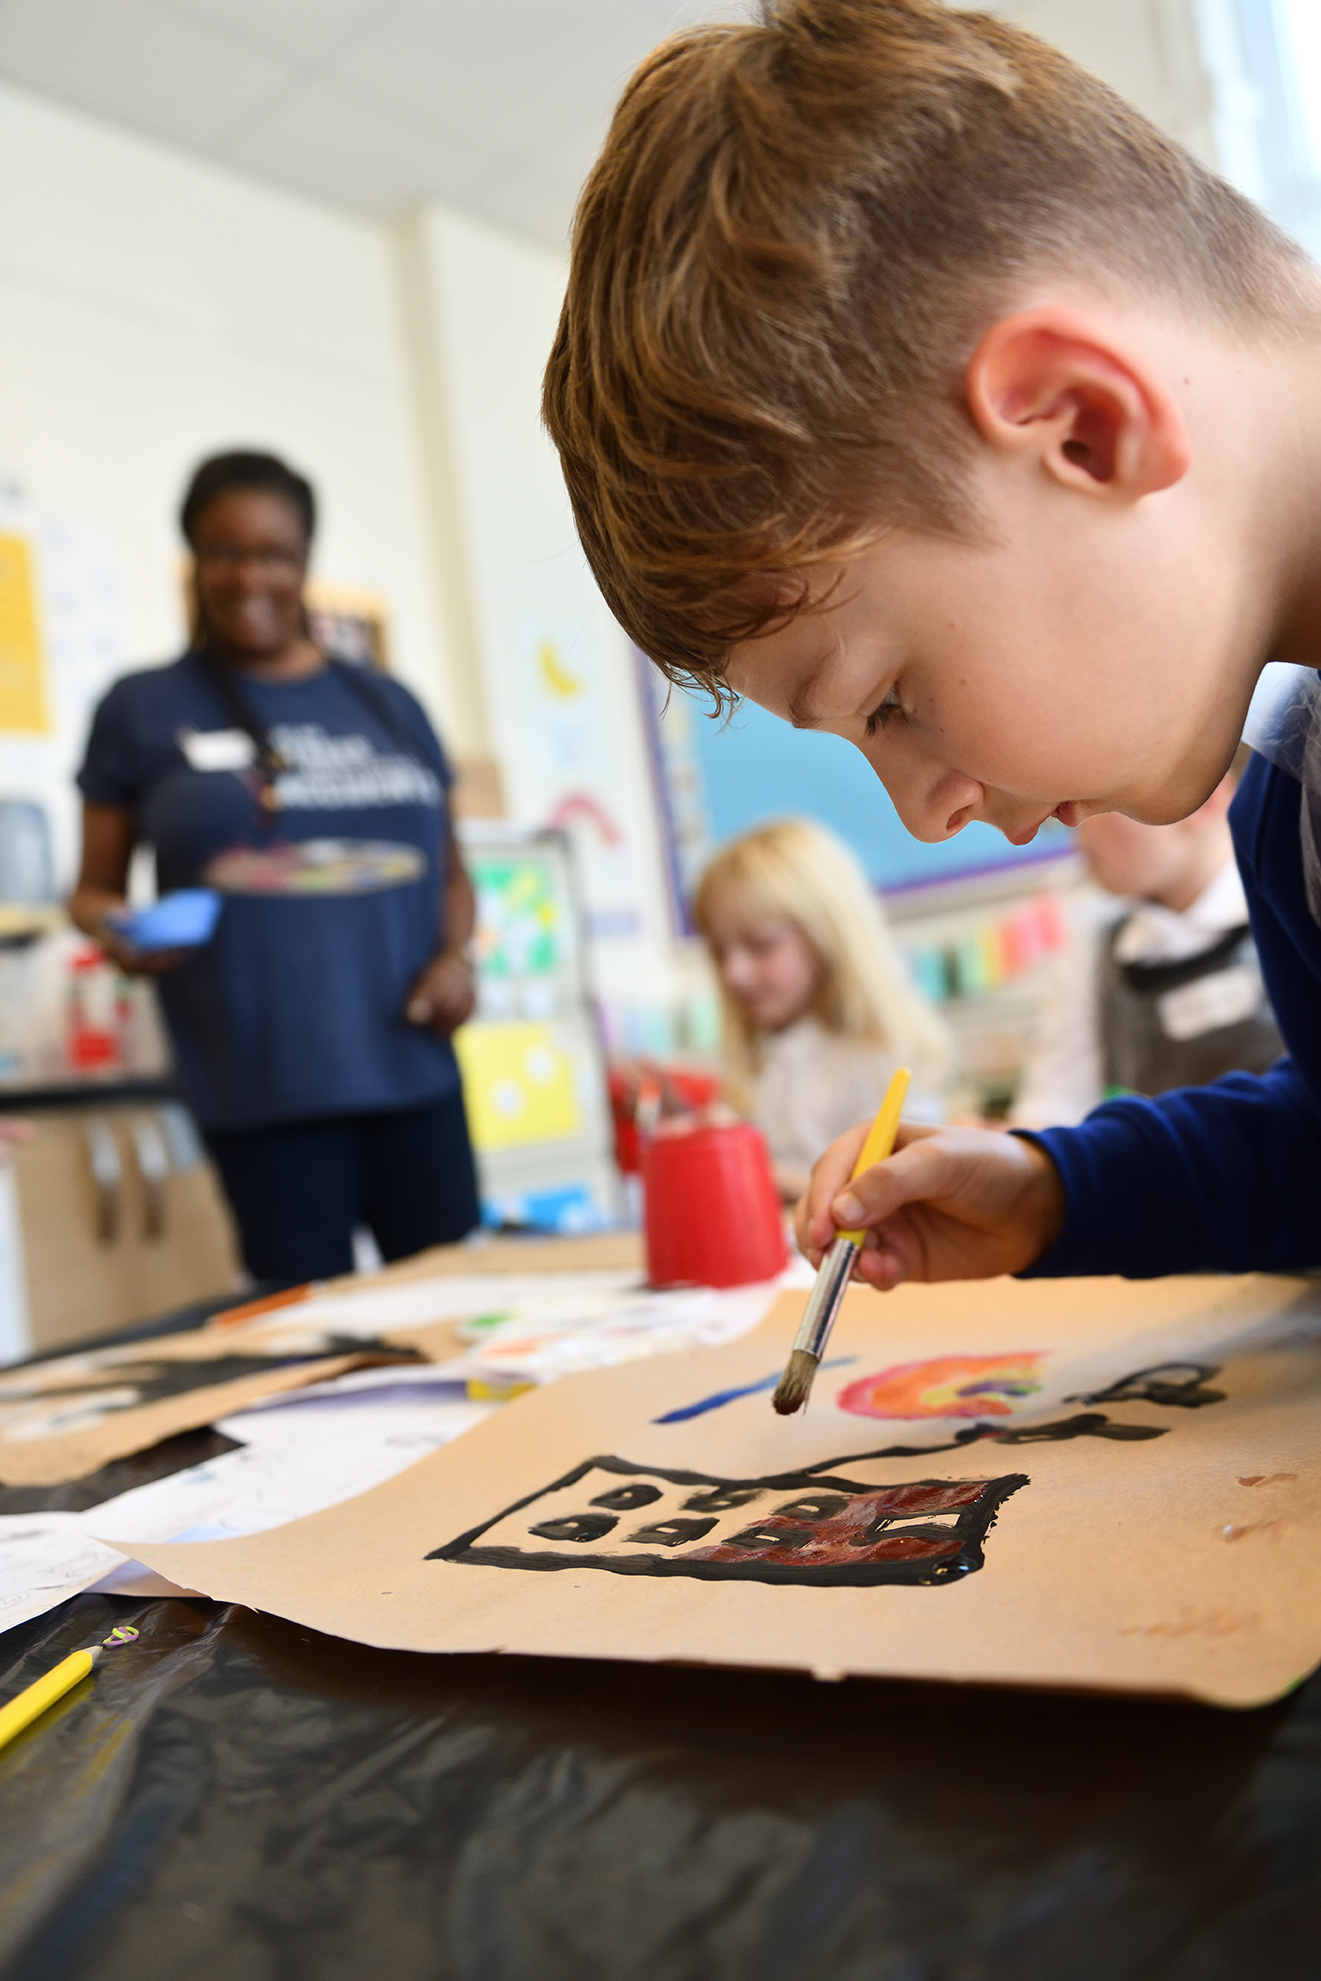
{"points": [[44, 1559]]}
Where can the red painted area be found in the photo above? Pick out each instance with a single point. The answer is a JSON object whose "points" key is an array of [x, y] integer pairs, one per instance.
{"points": [[857, 1532], [975, 1386]]}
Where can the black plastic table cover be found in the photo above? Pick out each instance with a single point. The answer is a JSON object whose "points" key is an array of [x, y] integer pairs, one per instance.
{"points": [[235, 1796]]}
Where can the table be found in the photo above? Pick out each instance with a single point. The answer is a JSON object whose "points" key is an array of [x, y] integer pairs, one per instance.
{"points": [[236, 1798]]}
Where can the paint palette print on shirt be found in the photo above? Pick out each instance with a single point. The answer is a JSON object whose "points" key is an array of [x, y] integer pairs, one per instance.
{"points": [[795, 1527], [315, 867]]}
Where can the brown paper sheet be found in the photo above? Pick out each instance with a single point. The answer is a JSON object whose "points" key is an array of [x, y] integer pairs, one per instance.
{"points": [[1064, 1483], [67, 1417]]}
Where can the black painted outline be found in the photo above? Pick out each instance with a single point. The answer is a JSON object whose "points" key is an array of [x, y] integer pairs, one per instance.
{"points": [[971, 1527]]}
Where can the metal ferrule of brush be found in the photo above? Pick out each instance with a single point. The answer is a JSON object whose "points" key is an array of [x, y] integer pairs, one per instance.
{"points": [[832, 1281]]}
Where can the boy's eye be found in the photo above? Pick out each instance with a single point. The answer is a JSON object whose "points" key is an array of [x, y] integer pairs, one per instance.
{"points": [[882, 717]]}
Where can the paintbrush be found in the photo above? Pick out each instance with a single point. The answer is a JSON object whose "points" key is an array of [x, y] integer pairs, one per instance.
{"points": [[836, 1268]]}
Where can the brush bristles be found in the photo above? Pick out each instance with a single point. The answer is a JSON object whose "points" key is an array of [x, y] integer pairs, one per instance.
{"points": [[795, 1385]]}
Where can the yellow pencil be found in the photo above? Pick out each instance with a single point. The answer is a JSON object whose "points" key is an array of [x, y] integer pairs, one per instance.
{"points": [[43, 1692], [835, 1270]]}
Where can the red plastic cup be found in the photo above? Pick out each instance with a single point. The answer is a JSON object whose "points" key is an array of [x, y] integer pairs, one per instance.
{"points": [[713, 1211]]}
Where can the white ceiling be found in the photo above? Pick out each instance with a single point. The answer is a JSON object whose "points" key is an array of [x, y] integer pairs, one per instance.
{"points": [[497, 106]]}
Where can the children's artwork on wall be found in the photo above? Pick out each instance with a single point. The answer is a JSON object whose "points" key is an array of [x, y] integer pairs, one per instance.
{"points": [[23, 699], [1066, 1483], [519, 1084]]}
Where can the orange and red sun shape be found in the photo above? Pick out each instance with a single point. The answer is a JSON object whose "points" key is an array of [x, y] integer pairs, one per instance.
{"points": [[947, 1386]]}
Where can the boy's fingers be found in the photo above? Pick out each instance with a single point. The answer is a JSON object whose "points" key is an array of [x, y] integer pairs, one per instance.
{"points": [[815, 1221], [916, 1171]]}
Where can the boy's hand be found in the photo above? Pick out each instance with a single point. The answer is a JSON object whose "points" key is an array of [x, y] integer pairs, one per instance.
{"points": [[951, 1203]]}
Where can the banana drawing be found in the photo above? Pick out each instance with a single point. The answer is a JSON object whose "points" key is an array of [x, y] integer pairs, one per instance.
{"points": [[555, 675]]}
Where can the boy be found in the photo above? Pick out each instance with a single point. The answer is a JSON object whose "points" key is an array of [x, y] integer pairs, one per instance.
{"points": [[1159, 988], [910, 383]]}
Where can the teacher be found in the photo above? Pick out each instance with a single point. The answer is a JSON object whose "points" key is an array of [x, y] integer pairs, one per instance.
{"points": [[312, 1033]]}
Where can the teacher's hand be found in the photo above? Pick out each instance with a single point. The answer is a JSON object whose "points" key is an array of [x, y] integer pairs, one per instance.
{"points": [[138, 962], [950, 1203], [443, 996]]}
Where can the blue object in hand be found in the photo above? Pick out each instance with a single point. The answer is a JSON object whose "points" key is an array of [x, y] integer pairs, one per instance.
{"points": [[183, 920]]}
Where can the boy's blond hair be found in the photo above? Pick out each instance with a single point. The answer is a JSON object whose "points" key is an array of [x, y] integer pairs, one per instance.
{"points": [[796, 234], [795, 871]]}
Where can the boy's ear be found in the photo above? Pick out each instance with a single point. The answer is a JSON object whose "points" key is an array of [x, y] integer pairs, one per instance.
{"points": [[1061, 385]]}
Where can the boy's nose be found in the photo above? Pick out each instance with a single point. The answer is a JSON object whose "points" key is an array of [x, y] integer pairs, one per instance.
{"points": [[935, 803]]}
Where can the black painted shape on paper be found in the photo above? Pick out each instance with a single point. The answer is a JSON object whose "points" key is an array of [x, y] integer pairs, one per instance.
{"points": [[1087, 1424], [721, 1499], [813, 1506], [627, 1499], [157, 1380], [672, 1533], [1174, 1385], [923, 1553], [576, 1527], [766, 1535]]}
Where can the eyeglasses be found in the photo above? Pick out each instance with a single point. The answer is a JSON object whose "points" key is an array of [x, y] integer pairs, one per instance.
{"points": [[271, 562]]}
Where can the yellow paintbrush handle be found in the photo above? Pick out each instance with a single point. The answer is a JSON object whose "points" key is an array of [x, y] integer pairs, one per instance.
{"points": [[880, 1139], [43, 1692]]}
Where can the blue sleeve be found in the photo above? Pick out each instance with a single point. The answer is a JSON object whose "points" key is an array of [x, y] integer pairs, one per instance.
{"points": [[1224, 1178], [113, 771]]}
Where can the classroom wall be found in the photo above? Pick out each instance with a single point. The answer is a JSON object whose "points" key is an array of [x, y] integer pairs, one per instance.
{"points": [[558, 700], [1180, 61], [152, 309]]}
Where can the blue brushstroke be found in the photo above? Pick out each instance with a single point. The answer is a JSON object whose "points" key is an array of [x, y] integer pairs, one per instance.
{"points": [[724, 1396]]}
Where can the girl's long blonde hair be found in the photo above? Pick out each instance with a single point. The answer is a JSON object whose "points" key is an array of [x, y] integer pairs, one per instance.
{"points": [[793, 870]]}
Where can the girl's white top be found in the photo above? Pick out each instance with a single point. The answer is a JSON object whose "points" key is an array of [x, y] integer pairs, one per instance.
{"points": [[814, 1084]]}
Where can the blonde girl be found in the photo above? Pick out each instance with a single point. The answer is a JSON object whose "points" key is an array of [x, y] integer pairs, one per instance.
{"points": [[818, 1008]]}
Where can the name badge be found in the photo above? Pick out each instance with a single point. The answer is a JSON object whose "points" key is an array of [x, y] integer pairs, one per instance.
{"points": [[1208, 1004], [217, 749]]}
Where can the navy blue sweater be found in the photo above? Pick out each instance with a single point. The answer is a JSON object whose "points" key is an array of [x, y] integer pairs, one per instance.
{"points": [[1225, 1178]]}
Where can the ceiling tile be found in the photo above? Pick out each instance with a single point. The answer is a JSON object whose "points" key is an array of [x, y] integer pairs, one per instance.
{"points": [[304, 32], [135, 62], [354, 154], [502, 66], [375, 105], [548, 176]]}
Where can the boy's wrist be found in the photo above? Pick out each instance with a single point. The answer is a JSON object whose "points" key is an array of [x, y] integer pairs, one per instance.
{"points": [[1044, 1200]]}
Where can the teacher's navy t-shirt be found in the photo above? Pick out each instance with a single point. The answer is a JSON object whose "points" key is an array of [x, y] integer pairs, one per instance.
{"points": [[332, 905]]}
